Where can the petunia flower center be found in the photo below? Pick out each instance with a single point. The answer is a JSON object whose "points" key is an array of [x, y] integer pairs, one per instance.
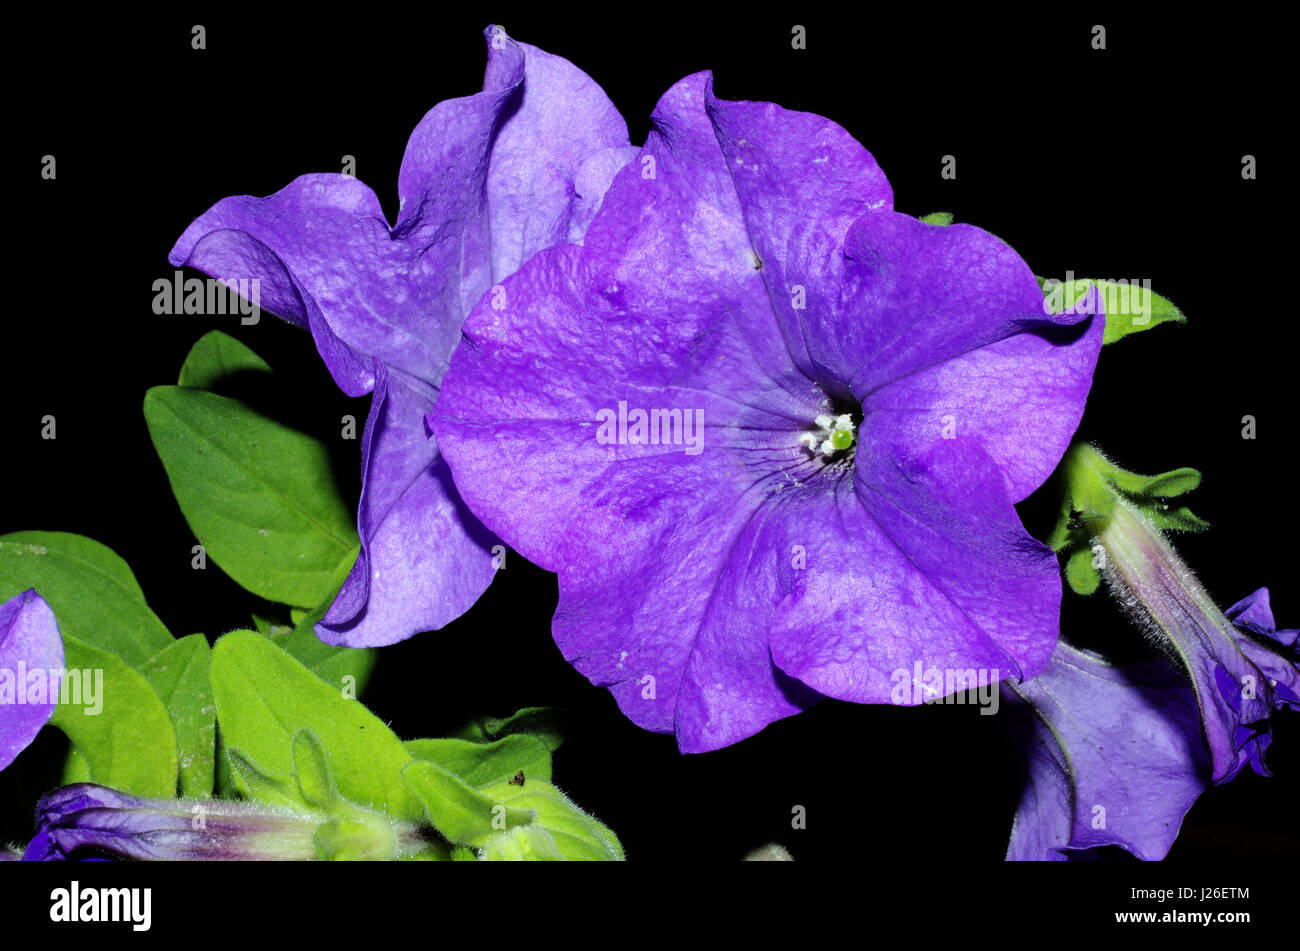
{"points": [[832, 436]]}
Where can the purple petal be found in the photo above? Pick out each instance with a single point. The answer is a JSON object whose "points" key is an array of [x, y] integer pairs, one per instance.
{"points": [[670, 259], [802, 181], [320, 250], [1255, 613], [425, 559], [560, 130], [1115, 758], [924, 564], [1021, 398], [30, 642]]}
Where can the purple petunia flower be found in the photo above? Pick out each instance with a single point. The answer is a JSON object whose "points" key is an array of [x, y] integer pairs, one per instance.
{"points": [[768, 432], [1115, 757], [31, 651], [486, 180], [1238, 680], [89, 821]]}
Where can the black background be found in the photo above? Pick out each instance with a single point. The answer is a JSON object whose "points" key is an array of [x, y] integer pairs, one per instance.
{"points": [[1117, 163]]}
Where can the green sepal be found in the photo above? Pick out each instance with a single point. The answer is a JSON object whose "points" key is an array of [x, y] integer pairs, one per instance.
{"points": [[355, 840], [1080, 573], [462, 814], [345, 832], [256, 784], [179, 675], [529, 843], [1092, 484], [937, 218], [577, 835]]}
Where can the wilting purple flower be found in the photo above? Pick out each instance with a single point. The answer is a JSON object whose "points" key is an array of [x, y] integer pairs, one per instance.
{"points": [[1115, 757], [667, 418], [486, 180], [1238, 681], [31, 649], [89, 821]]}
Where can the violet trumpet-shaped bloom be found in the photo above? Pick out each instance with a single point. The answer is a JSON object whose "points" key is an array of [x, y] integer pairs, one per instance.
{"points": [[767, 431], [486, 181], [1238, 680], [89, 821], [31, 649], [1115, 757]]}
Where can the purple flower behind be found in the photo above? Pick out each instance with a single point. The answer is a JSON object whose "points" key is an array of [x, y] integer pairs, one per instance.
{"points": [[860, 398], [1115, 757], [30, 642], [486, 181]]}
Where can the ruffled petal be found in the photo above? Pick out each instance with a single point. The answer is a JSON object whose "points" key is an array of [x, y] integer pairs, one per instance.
{"points": [[425, 559], [802, 181]]}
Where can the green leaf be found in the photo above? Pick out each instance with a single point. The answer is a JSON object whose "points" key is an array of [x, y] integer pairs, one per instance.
{"points": [[937, 218], [75, 768], [179, 675], [542, 723], [259, 496], [129, 743], [264, 697], [577, 835], [482, 764], [216, 356], [91, 590], [463, 815]]}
